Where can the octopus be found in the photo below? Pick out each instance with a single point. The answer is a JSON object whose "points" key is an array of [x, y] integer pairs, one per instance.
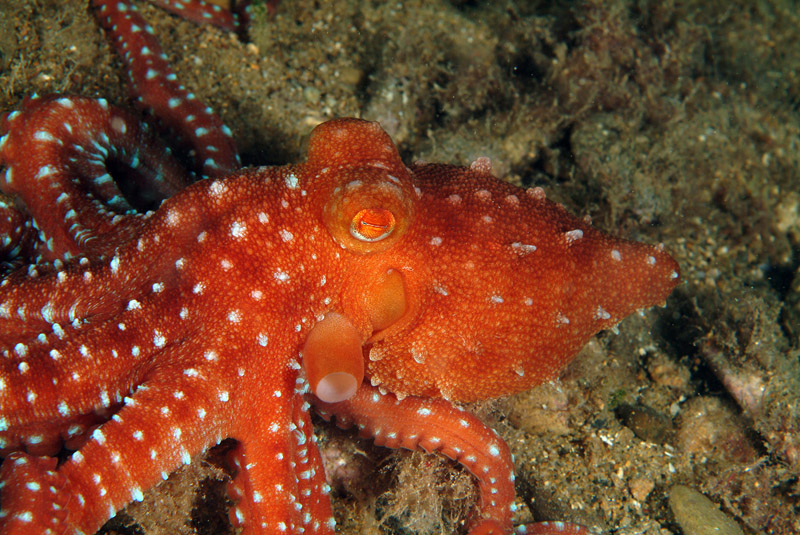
{"points": [[378, 294]]}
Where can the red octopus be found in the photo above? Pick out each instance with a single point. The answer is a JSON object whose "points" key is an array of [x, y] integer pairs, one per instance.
{"points": [[378, 293]]}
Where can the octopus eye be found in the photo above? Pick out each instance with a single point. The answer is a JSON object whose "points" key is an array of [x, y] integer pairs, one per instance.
{"points": [[368, 212], [372, 224]]}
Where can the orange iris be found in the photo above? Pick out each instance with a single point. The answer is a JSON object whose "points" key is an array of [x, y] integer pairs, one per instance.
{"points": [[372, 224]]}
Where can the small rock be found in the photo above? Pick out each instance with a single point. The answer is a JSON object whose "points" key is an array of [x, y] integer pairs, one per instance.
{"points": [[351, 76], [640, 488], [646, 423], [544, 409], [697, 515], [665, 371], [709, 427], [312, 95]]}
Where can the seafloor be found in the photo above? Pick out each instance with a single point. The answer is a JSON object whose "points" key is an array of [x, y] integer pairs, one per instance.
{"points": [[666, 121]]}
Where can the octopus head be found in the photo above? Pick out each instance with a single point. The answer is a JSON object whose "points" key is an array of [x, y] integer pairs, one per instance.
{"points": [[458, 284]]}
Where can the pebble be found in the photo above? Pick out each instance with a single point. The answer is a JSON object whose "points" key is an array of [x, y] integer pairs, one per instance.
{"points": [[697, 515], [640, 488], [312, 95], [647, 423]]}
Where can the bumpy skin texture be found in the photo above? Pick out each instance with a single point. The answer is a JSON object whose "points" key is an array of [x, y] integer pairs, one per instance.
{"points": [[143, 340], [510, 286]]}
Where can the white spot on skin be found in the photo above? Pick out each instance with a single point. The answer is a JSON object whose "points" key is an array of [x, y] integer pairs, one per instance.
{"points": [[216, 188], [158, 339], [234, 316], [537, 193], [173, 218], [47, 312], [573, 236], [238, 229], [601, 314], [281, 276], [25, 516], [291, 181], [616, 255], [285, 235], [99, 437], [523, 248]]}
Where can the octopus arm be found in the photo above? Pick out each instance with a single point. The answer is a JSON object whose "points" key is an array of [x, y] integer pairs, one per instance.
{"points": [[156, 85], [120, 352], [55, 302], [201, 12], [66, 180], [167, 420], [280, 482], [449, 430], [17, 234]]}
